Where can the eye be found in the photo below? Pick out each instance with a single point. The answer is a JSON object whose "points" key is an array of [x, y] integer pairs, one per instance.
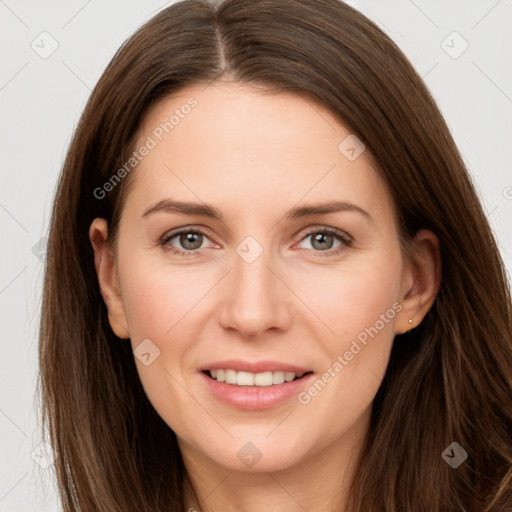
{"points": [[191, 240], [325, 239]]}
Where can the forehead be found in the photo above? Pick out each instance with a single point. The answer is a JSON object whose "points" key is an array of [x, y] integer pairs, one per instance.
{"points": [[244, 116], [230, 142]]}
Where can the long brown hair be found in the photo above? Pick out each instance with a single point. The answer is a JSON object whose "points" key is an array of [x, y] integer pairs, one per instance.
{"points": [[449, 380]]}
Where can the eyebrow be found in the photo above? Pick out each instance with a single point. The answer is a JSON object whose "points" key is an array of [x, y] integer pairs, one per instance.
{"points": [[205, 210]]}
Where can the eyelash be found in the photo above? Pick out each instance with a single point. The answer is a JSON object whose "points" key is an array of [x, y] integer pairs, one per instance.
{"points": [[342, 237]]}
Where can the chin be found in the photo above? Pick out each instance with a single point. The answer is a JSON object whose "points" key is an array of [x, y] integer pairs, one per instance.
{"points": [[257, 452]]}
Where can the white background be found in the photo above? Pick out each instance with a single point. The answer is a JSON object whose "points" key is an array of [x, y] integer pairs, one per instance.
{"points": [[41, 100]]}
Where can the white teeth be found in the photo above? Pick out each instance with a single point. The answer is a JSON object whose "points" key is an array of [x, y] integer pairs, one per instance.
{"points": [[230, 377], [253, 379], [245, 379], [277, 377], [288, 376], [263, 379]]}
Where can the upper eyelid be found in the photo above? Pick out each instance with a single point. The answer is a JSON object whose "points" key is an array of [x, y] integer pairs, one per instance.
{"points": [[328, 229]]}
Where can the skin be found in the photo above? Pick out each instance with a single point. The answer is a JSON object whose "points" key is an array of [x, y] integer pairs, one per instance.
{"points": [[254, 156]]}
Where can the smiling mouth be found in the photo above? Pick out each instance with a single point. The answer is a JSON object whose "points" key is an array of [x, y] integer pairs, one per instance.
{"points": [[248, 379]]}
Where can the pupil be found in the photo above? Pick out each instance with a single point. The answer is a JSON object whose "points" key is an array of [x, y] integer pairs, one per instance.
{"points": [[321, 238], [188, 240]]}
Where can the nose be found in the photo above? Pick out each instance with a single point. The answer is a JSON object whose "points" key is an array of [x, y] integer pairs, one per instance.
{"points": [[255, 299]]}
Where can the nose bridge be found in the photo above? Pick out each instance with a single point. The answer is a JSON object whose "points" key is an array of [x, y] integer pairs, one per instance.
{"points": [[254, 300]]}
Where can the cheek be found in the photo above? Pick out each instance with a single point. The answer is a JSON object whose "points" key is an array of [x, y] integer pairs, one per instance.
{"points": [[359, 308], [150, 307], [158, 298], [347, 301], [159, 303]]}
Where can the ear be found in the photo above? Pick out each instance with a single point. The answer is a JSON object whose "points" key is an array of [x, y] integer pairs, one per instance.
{"points": [[105, 264], [421, 280]]}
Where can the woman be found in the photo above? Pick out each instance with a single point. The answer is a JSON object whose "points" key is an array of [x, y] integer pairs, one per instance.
{"points": [[270, 283]]}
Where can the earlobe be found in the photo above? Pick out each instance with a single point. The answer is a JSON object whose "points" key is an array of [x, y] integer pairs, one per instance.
{"points": [[104, 262], [422, 281]]}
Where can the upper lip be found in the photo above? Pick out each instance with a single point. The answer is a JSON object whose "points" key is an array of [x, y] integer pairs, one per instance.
{"points": [[254, 366]]}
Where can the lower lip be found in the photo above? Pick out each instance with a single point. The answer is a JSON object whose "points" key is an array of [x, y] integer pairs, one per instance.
{"points": [[256, 397]]}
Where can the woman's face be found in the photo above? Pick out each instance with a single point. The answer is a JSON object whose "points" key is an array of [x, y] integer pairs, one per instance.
{"points": [[287, 262]]}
